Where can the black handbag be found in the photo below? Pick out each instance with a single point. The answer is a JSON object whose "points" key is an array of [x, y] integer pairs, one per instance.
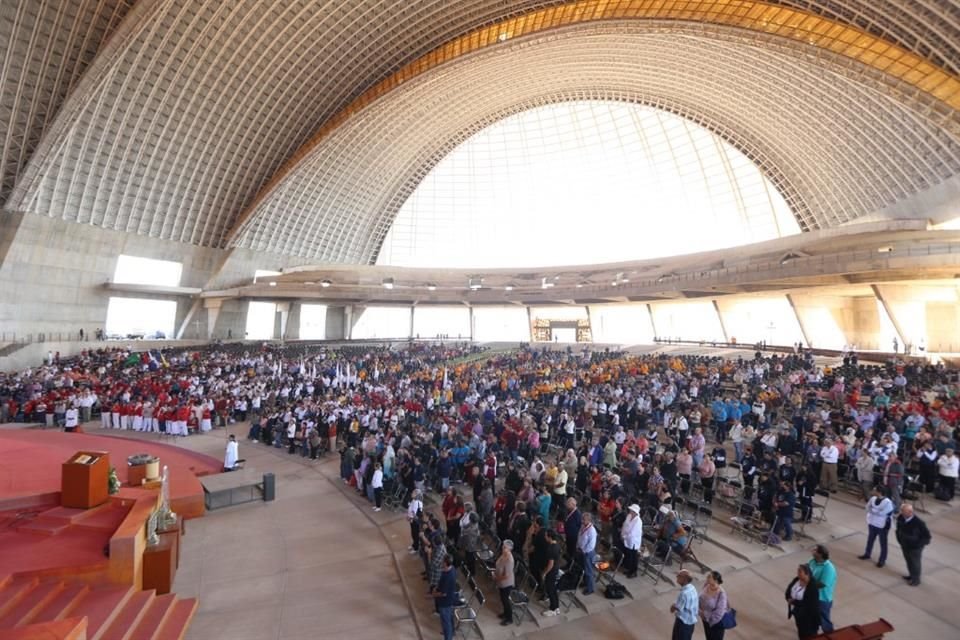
{"points": [[729, 619]]}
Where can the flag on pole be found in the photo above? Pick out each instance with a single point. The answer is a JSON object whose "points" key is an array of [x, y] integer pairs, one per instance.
{"points": [[444, 377]]}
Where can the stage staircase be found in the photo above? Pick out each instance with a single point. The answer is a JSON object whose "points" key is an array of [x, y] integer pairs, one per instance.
{"points": [[34, 607]]}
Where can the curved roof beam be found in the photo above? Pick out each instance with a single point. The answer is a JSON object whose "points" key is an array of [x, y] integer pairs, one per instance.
{"points": [[836, 147], [823, 33]]}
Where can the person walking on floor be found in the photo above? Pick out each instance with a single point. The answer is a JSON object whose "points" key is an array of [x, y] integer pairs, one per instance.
{"points": [[686, 608], [913, 535], [825, 574], [504, 578], [713, 606], [879, 511], [803, 603]]}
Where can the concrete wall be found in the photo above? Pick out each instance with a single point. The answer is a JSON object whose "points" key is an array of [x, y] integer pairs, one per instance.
{"points": [[53, 272]]}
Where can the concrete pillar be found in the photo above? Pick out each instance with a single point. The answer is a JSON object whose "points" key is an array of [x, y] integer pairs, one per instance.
{"points": [[336, 323], [472, 327], [182, 328], [529, 324], [413, 309], [213, 306], [293, 322], [282, 318], [653, 323]]}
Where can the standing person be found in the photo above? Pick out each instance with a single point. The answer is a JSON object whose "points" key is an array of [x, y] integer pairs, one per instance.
{"points": [[550, 574], [829, 456], [632, 535], [414, 509], [571, 530], [893, 475], [879, 511], [232, 454], [587, 547], [803, 603], [71, 419], [686, 608], [505, 581], [713, 606], [445, 595], [825, 575], [948, 466], [913, 536], [784, 502], [376, 483]]}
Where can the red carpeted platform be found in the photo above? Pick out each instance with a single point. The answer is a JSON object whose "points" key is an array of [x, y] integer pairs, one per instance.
{"points": [[30, 462]]}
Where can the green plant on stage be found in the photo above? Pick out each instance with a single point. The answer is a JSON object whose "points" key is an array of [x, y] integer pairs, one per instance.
{"points": [[113, 482]]}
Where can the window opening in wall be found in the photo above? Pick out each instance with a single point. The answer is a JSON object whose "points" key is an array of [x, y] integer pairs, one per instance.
{"points": [[135, 318], [137, 270]]}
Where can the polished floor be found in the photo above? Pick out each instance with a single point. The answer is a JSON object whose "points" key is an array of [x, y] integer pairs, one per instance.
{"points": [[319, 563]]}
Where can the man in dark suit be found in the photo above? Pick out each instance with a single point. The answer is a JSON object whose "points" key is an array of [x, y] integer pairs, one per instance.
{"points": [[913, 536]]}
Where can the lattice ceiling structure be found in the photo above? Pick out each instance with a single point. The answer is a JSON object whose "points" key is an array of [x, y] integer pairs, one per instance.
{"points": [[300, 126]]}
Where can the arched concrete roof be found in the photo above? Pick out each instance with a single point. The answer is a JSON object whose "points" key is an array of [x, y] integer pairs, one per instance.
{"points": [[299, 126]]}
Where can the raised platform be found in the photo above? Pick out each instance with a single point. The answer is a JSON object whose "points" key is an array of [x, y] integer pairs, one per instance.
{"points": [[30, 462]]}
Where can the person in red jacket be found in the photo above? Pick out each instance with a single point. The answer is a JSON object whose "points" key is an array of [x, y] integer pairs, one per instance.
{"points": [[116, 411]]}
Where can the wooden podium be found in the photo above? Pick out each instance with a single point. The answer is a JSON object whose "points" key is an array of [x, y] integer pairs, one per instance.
{"points": [[85, 480]]}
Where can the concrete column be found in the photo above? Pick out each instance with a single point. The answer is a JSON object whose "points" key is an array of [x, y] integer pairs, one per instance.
{"points": [[282, 318], [529, 324], [413, 310], [653, 323], [472, 327], [213, 306], [293, 322], [348, 320]]}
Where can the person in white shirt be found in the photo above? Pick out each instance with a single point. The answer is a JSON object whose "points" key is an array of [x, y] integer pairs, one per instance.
{"points": [[948, 467], [414, 509], [72, 418], [632, 534], [232, 454], [829, 455], [376, 483], [879, 510]]}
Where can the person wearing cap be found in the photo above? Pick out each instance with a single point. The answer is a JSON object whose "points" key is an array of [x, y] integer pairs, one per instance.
{"points": [[505, 580], [686, 608], [632, 535]]}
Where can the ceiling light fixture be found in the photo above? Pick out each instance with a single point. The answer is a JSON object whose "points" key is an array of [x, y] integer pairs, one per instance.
{"points": [[273, 284], [509, 287], [474, 283], [387, 283], [325, 283], [309, 284], [886, 249], [431, 286], [545, 284]]}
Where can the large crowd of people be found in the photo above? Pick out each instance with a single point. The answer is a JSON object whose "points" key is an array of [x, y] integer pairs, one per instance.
{"points": [[556, 456]]}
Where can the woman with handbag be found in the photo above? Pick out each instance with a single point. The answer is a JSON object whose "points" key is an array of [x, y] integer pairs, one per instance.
{"points": [[714, 607], [803, 603]]}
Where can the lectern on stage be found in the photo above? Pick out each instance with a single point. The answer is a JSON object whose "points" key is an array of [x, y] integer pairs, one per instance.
{"points": [[85, 480]]}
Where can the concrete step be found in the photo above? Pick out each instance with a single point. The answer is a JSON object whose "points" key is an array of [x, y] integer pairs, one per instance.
{"points": [[14, 591], [129, 616], [151, 624], [175, 626], [101, 606], [58, 607], [32, 602]]}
